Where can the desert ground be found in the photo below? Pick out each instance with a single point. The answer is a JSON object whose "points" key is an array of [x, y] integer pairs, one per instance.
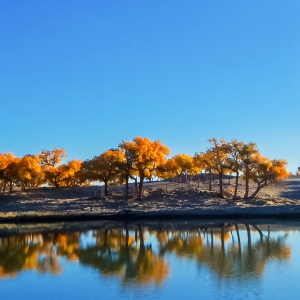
{"points": [[161, 199]]}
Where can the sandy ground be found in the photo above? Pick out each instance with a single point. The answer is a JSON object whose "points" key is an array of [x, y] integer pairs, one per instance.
{"points": [[160, 199]]}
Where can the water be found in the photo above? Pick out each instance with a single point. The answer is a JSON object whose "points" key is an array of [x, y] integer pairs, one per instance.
{"points": [[174, 260]]}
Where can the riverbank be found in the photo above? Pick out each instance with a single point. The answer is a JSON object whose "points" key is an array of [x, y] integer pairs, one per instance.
{"points": [[162, 200]]}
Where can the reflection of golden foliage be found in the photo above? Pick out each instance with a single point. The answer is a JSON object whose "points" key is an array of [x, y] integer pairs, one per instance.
{"points": [[284, 252], [72, 257], [31, 261], [188, 247], [4, 274], [226, 236], [152, 269], [161, 236], [131, 240]]}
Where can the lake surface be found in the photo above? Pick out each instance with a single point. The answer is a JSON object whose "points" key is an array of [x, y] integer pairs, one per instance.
{"points": [[156, 260]]}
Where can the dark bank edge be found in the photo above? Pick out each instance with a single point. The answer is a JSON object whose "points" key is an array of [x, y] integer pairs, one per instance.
{"points": [[149, 216]]}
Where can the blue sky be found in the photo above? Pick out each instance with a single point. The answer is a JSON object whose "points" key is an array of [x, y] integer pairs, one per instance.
{"points": [[84, 75]]}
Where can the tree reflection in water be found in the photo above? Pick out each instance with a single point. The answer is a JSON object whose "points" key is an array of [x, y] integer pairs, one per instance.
{"points": [[116, 252], [126, 253], [235, 260]]}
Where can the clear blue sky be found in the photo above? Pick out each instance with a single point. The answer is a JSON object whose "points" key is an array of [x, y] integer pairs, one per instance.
{"points": [[84, 75]]}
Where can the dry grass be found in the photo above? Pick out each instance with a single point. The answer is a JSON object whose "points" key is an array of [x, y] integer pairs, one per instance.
{"points": [[159, 197]]}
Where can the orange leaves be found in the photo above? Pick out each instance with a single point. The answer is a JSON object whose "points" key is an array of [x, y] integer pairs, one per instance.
{"points": [[30, 170], [181, 164], [149, 154], [142, 158], [242, 159], [52, 157], [69, 174], [5, 159], [104, 167], [144, 155], [279, 168]]}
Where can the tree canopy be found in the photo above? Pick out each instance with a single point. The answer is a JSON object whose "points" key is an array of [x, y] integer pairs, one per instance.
{"points": [[141, 159]]}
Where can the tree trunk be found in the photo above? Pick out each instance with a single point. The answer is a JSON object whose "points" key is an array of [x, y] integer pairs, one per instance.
{"points": [[10, 187], [105, 238], [198, 180], [259, 231], [246, 189], [221, 184], [259, 187], [141, 236], [210, 179], [135, 184], [4, 186], [141, 183], [126, 189], [248, 235], [105, 188], [240, 248], [223, 239], [56, 184], [236, 185], [238, 235], [127, 243]]}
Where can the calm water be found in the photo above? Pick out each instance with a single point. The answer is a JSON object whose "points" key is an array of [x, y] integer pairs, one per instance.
{"points": [[152, 261]]}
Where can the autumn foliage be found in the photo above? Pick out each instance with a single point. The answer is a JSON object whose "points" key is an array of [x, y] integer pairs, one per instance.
{"points": [[143, 159]]}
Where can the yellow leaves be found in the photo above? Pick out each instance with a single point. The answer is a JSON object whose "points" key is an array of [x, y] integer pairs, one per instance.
{"points": [[10, 172], [152, 269], [182, 164], [144, 156], [29, 169], [5, 159], [279, 168], [52, 157], [148, 154], [105, 166], [263, 168], [141, 158]]}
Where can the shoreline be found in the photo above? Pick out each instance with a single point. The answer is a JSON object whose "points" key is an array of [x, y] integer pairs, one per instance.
{"points": [[259, 213], [162, 201]]}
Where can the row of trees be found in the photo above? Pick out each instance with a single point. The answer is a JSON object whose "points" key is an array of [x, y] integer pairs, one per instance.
{"points": [[142, 159]]}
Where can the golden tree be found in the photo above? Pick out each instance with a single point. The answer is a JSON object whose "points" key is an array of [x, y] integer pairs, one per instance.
{"points": [[246, 159], [238, 158], [104, 168], [5, 160], [30, 171], [220, 150], [130, 154], [70, 173], [206, 161], [52, 157], [180, 164], [50, 162], [265, 170], [10, 172], [147, 156], [247, 154]]}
